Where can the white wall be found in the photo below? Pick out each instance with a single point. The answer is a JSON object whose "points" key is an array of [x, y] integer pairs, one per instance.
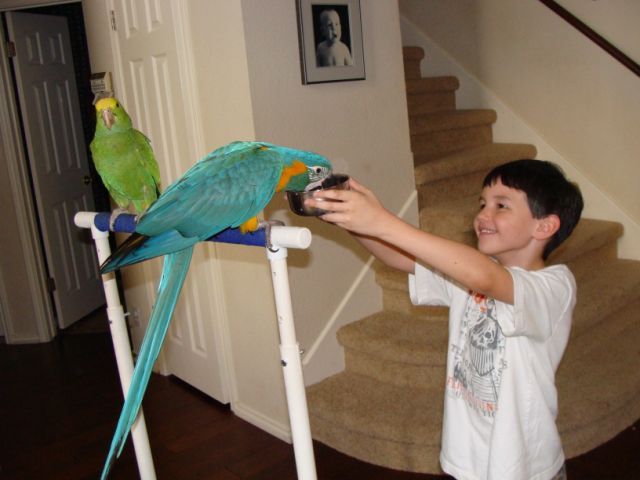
{"points": [[362, 126], [551, 86], [250, 88], [616, 21]]}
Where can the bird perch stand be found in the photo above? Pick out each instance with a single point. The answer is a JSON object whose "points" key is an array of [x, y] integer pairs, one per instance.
{"points": [[280, 239]]}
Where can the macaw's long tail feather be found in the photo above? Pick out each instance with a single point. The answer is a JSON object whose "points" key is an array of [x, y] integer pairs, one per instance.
{"points": [[137, 248], [174, 272], [118, 258]]}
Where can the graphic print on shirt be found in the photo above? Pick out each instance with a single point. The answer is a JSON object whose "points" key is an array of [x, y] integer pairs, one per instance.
{"points": [[478, 359]]}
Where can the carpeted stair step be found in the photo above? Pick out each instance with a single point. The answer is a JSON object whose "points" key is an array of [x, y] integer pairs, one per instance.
{"points": [[459, 173], [588, 236], [397, 349], [412, 57], [599, 386], [452, 217], [429, 95], [471, 160], [602, 289], [397, 427], [445, 132], [451, 120]]}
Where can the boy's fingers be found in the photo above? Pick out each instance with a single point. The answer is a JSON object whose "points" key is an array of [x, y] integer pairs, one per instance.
{"points": [[357, 186], [330, 194]]}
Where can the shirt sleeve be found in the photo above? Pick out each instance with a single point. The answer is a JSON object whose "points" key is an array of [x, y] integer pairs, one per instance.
{"points": [[542, 300], [429, 287]]}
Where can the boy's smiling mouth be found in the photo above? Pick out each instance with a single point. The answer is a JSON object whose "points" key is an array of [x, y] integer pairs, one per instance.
{"points": [[484, 230]]}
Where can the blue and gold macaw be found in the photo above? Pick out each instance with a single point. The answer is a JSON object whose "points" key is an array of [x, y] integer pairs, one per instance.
{"points": [[226, 189]]}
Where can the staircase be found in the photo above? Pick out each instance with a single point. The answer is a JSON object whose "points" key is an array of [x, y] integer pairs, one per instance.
{"points": [[386, 406]]}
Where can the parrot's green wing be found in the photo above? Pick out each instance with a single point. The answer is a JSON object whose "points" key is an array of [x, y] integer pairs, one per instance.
{"points": [[149, 159]]}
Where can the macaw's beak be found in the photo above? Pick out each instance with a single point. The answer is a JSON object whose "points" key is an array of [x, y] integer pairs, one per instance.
{"points": [[107, 118], [314, 185]]}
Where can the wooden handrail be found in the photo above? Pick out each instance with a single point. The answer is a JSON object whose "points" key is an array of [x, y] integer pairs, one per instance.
{"points": [[594, 36]]}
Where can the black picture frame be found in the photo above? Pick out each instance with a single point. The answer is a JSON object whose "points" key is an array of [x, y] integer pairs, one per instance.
{"points": [[338, 56]]}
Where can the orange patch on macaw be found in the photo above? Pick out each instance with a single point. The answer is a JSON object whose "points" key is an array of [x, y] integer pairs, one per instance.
{"points": [[250, 225], [296, 168]]}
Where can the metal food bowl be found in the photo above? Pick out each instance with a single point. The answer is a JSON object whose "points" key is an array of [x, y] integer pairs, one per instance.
{"points": [[338, 181]]}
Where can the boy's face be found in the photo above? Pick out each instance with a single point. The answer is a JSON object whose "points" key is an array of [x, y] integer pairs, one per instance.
{"points": [[505, 226]]}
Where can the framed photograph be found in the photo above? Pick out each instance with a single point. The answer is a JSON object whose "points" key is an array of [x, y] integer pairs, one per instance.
{"points": [[330, 36]]}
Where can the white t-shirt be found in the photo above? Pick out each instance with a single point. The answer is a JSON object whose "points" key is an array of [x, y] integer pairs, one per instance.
{"points": [[500, 398]]}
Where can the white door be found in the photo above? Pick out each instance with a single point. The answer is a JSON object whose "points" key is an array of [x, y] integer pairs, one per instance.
{"points": [[152, 84], [57, 155]]}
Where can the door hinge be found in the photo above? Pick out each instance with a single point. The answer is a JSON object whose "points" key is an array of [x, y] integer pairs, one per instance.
{"points": [[51, 284], [11, 49], [114, 26]]}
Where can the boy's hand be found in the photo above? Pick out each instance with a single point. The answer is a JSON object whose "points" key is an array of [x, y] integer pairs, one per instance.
{"points": [[357, 210]]}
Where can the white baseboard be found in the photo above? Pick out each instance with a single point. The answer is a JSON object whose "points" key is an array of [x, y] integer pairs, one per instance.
{"points": [[269, 425]]}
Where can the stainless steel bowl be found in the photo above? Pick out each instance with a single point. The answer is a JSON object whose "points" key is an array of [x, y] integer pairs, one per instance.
{"points": [[337, 181]]}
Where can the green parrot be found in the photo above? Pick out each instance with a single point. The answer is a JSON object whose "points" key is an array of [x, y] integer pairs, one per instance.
{"points": [[124, 159], [228, 188]]}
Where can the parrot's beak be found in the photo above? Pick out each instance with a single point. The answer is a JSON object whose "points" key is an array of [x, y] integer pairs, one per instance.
{"points": [[314, 185], [107, 118]]}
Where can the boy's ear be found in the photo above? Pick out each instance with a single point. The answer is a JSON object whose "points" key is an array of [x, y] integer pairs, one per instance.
{"points": [[547, 227]]}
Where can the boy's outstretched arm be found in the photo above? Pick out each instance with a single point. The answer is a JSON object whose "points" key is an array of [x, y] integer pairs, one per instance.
{"points": [[397, 243], [387, 254]]}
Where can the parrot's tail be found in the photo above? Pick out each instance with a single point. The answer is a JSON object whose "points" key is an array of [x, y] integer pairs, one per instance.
{"points": [[174, 272], [137, 248]]}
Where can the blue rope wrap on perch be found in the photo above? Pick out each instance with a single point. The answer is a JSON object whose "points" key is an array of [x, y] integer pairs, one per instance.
{"points": [[126, 223]]}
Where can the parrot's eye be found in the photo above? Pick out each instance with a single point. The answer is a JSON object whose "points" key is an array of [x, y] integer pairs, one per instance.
{"points": [[317, 172]]}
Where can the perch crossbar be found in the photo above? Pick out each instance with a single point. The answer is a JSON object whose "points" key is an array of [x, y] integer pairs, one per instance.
{"points": [[280, 238]]}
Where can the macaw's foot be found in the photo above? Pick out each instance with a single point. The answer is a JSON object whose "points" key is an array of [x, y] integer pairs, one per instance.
{"points": [[267, 224], [115, 214]]}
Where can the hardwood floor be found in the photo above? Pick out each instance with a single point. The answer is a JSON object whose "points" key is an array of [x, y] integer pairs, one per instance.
{"points": [[59, 402]]}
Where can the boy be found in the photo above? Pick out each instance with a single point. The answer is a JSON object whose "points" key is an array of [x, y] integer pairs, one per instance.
{"points": [[509, 317], [332, 52]]}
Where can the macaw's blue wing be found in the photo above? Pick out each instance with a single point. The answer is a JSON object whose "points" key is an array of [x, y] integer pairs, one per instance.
{"points": [[224, 189], [227, 188], [174, 271]]}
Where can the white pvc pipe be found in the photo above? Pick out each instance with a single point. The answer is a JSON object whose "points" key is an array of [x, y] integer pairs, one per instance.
{"points": [[292, 366], [121, 345], [290, 237], [281, 239]]}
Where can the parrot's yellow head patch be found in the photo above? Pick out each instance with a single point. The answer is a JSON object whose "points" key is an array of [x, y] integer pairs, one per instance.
{"points": [[107, 103]]}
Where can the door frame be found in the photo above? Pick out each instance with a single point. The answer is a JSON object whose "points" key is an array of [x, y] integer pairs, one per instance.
{"points": [[23, 203]]}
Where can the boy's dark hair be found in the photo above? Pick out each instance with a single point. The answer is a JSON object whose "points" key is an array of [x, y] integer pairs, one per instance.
{"points": [[548, 192]]}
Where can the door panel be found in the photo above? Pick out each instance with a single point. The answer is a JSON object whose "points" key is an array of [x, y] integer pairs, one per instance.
{"points": [[52, 125], [152, 90]]}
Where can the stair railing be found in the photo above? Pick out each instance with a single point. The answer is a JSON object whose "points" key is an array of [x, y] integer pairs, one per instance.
{"points": [[593, 35]]}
